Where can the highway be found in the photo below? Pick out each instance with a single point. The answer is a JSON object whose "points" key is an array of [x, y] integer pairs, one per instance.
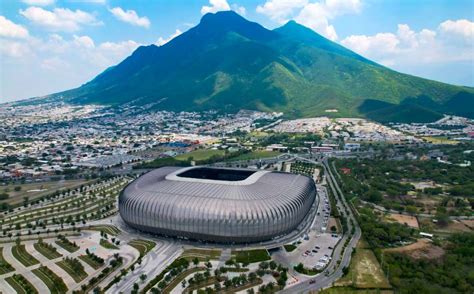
{"points": [[333, 271]]}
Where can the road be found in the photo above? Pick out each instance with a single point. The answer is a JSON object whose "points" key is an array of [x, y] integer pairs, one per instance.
{"points": [[333, 271]]}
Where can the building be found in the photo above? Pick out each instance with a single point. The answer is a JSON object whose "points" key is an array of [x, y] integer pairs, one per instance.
{"points": [[217, 204]]}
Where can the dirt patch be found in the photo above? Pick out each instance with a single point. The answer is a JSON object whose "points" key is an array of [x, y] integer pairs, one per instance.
{"points": [[364, 271], [421, 249], [333, 222], [468, 223], [410, 221], [455, 226]]}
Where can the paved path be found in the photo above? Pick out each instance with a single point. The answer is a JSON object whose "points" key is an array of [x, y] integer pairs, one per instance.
{"points": [[22, 270], [162, 255], [51, 264], [334, 271]]}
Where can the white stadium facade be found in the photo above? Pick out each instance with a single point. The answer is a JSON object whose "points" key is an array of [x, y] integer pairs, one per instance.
{"points": [[217, 204]]}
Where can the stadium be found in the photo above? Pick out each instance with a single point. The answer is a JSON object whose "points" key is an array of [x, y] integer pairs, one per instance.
{"points": [[217, 204]]}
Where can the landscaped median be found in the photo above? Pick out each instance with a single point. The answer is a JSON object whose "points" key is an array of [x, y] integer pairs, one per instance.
{"points": [[93, 260], [20, 253], [54, 283], [21, 285], [46, 249], [176, 267], [74, 268], [143, 246], [5, 267], [66, 244], [108, 229]]}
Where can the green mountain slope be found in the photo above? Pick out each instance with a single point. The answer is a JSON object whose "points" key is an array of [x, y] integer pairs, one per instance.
{"points": [[229, 63]]}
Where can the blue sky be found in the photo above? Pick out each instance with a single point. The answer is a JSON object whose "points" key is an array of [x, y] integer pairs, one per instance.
{"points": [[51, 45]]}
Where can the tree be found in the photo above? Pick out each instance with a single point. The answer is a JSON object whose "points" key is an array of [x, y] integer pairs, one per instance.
{"points": [[143, 277], [136, 287], [345, 270], [195, 261]]}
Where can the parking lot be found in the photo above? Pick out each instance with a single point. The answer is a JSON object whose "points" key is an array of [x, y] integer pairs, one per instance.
{"points": [[316, 247], [316, 252]]}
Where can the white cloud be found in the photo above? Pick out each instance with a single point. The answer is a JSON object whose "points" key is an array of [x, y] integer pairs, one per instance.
{"points": [[406, 47], [15, 49], [375, 46], [316, 17], [313, 14], [84, 41], [131, 17], [280, 10], [11, 29], [239, 9], [38, 2], [59, 19], [54, 63], [215, 6], [461, 27], [161, 41]]}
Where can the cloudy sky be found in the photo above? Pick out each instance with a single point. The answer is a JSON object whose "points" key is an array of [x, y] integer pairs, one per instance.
{"points": [[51, 45]]}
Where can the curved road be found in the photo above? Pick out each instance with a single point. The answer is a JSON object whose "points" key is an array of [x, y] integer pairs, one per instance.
{"points": [[333, 271]]}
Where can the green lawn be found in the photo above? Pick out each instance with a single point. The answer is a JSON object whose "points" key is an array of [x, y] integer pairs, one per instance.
{"points": [[49, 252], [143, 246], [37, 190], [250, 256], [68, 245], [94, 264], [106, 244], [21, 285], [255, 155], [54, 283], [108, 229], [201, 254], [19, 252], [74, 268], [5, 267], [198, 155], [289, 247]]}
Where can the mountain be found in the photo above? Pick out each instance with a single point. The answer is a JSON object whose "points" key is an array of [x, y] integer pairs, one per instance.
{"points": [[229, 63]]}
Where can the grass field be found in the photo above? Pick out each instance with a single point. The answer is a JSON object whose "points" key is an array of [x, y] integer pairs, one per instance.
{"points": [[364, 271], [69, 246], [289, 247], [106, 244], [201, 254], [54, 283], [48, 252], [5, 267], [77, 273], [250, 256], [440, 140], [21, 285], [87, 259], [350, 290], [200, 154], [108, 229], [256, 155], [20, 253], [37, 190], [143, 246]]}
